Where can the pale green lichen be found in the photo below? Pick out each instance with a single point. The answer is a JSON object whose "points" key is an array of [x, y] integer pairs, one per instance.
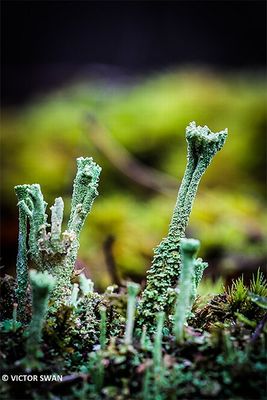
{"points": [[74, 295], [133, 289], [96, 360], [157, 356], [153, 380], [165, 269], [11, 325], [84, 193], [22, 256], [15, 323], [188, 248], [103, 327], [86, 284], [56, 223], [38, 221], [52, 250], [143, 338], [157, 350], [199, 267], [42, 283]]}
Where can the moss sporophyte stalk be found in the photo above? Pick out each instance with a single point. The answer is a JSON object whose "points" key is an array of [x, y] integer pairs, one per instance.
{"points": [[202, 145]]}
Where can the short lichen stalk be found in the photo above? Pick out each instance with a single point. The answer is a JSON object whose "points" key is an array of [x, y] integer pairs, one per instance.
{"points": [[54, 251], [96, 364], [74, 301], [154, 372], [103, 327], [157, 356], [32, 208], [14, 317], [143, 339], [147, 388], [83, 196], [86, 285], [133, 289], [42, 284], [157, 351], [165, 269], [187, 286], [199, 267]]}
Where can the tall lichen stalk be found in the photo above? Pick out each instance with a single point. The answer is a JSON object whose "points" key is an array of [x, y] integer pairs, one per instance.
{"points": [[202, 145], [51, 250], [22, 256]]}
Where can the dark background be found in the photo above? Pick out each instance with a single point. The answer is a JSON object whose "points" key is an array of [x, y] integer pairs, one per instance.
{"points": [[46, 43]]}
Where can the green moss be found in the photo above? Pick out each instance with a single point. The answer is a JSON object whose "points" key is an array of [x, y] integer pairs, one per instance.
{"points": [[238, 293], [258, 284], [243, 298]]}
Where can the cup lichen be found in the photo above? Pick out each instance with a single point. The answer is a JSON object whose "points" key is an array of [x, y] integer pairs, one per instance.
{"points": [[52, 250], [164, 272], [219, 354]]}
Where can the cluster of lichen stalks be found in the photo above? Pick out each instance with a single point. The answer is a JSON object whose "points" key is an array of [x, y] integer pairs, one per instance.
{"points": [[53, 251], [53, 254]]}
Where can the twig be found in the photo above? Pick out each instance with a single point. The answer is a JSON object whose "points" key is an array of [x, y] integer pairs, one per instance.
{"points": [[259, 328], [67, 380], [124, 161], [110, 260]]}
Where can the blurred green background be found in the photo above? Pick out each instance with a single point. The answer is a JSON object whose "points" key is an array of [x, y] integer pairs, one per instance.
{"points": [[148, 117]]}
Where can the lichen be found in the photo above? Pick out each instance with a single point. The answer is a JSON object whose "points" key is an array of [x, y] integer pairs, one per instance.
{"points": [[74, 295], [42, 283], [188, 248], [52, 250], [165, 268], [103, 327], [157, 356], [86, 284], [92, 339], [22, 256], [133, 289]]}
